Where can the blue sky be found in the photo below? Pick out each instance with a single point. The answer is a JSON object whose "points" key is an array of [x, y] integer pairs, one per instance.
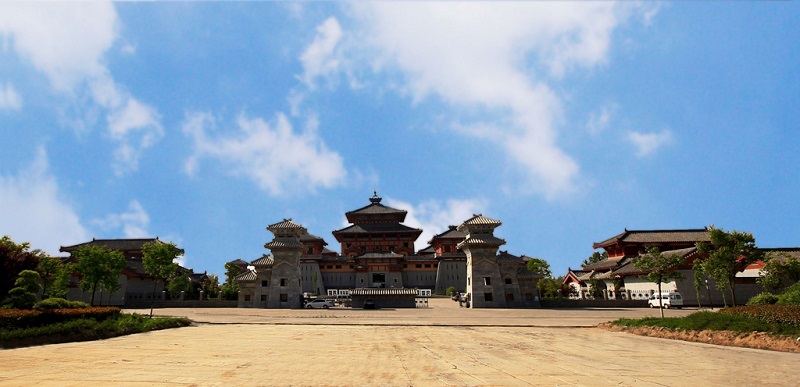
{"points": [[204, 122]]}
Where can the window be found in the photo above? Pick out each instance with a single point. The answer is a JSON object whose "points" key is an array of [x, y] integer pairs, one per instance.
{"points": [[508, 281], [428, 265], [419, 265], [487, 281], [283, 281], [247, 297], [509, 296], [264, 283], [338, 266], [405, 266], [263, 298], [488, 297], [284, 297]]}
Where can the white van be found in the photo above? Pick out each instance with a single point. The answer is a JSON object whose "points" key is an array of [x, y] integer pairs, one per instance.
{"points": [[668, 300]]}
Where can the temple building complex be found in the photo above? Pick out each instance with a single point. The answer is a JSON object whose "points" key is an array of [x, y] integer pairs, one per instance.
{"points": [[377, 256]]}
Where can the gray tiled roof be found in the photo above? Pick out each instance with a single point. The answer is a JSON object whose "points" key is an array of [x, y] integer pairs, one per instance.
{"points": [[283, 243], [480, 220], [364, 228], [657, 236], [483, 240], [451, 233], [607, 263], [286, 224], [264, 261], [246, 276], [112, 244], [504, 256], [782, 252]]}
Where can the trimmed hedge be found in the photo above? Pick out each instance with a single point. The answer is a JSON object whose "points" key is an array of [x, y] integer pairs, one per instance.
{"points": [[16, 318], [59, 303], [763, 299]]}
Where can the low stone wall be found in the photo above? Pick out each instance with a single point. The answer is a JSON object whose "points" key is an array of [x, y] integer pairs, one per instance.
{"points": [[184, 304], [560, 303]]}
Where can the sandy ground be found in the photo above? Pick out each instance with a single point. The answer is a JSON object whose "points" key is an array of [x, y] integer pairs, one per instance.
{"points": [[442, 345]]}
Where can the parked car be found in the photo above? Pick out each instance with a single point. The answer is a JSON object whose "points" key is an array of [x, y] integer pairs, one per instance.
{"points": [[369, 303], [319, 303], [668, 300]]}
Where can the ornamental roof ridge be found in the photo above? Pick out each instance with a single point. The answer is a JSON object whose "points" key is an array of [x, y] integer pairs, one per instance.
{"points": [[479, 220], [286, 224]]}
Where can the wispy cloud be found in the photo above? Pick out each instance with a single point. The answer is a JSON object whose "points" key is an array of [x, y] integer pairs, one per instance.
{"points": [[33, 209], [9, 98], [66, 41], [600, 119], [320, 58], [433, 216], [271, 154], [648, 143], [500, 57], [133, 223]]}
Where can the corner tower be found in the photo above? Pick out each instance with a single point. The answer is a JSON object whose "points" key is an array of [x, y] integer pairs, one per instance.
{"points": [[285, 287], [484, 281]]}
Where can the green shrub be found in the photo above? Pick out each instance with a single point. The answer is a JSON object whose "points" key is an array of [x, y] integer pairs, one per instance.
{"points": [[777, 319], [789, 298], [23, 295], [763, 299], [82, 329], [780, 314], [59, 303], [450, 291]]}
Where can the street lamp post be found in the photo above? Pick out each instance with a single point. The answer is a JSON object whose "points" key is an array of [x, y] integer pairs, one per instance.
{"points": [[709, 295]]}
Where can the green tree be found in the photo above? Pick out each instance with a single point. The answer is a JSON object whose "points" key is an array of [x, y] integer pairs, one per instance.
{"points": [[229, 292], [539, 266], [179, 284], [552, 287], [15, 258], [231, 271], [660, 269], [24, 293], [158, 259], [55, 277], [594, 258], [699, 280], [779, 268], [98, 267], [729, 252], [210, 286]]}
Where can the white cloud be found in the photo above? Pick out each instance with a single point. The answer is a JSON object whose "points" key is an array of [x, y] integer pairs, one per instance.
{"points": [[272, 154], [134, 120], [648, 143], [434, 216], [498, 57], [319, 59], [66, 41], [9, 98], [132, 223], [34, 211]]}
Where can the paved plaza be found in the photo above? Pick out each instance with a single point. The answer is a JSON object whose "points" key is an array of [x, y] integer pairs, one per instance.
{"points": [[440, 345]]}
